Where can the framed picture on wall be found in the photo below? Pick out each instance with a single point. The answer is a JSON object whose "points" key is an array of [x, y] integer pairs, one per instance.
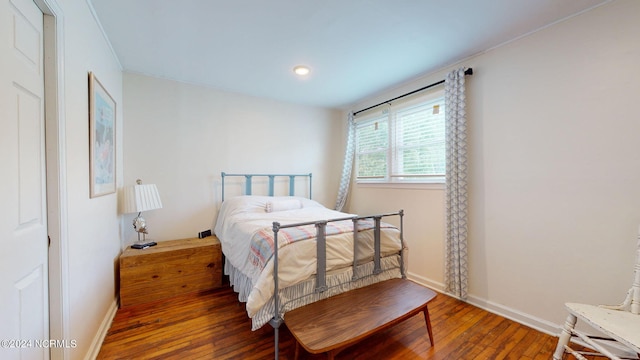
{"points": [[102, 139]]}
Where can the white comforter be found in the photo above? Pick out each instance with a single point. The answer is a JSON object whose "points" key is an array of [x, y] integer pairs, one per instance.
{"points": [[241, 217]]}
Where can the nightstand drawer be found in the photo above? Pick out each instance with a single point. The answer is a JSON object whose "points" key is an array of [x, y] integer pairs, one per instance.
{"points": [[168, 269]]}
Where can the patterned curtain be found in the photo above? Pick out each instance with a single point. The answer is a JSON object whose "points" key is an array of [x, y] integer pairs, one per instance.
{"points": [[456, 185], [345, 180]]}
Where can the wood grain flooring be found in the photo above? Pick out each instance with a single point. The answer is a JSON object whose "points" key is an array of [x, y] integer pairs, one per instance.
{"points": [[214, 325]]}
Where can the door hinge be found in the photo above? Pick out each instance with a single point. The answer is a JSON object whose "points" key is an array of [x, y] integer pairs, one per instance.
{"points": [[49, 237]]}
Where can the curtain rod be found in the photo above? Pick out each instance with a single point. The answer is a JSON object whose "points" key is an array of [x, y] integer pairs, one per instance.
{"points": [[469, 71]]}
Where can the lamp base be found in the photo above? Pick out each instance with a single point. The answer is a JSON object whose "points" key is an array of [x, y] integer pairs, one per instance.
{"points": [[140, 226]]}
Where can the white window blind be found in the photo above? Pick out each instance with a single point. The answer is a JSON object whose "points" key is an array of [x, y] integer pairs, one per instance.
{"points": [[405, 143], [372, 148]]}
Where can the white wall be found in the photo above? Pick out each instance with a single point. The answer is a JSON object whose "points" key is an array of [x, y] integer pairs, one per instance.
{"points": [[181, 136], [93, 225], [423, 224], [554, 171]]}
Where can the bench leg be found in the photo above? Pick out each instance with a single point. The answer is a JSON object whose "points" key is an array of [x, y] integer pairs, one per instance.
{"points": [[428, 321]]}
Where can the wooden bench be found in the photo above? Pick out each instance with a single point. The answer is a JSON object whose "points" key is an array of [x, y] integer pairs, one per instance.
{"points": [[332, 324]]}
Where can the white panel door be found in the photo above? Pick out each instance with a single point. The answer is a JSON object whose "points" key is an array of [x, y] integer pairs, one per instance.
{"points": [[24, 308]]}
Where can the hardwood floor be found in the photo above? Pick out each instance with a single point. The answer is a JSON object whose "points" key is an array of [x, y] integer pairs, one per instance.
{"points": [[214, 325]]}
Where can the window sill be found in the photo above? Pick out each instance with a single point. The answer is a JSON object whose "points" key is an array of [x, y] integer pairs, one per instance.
{"points": [[387, 185]]}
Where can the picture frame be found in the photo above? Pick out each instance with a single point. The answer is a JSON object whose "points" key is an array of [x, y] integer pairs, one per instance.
{"points": [[102, 139]]}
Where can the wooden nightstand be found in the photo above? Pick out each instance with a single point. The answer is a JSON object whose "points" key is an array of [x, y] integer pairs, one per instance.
{"points": [[170, 268]]}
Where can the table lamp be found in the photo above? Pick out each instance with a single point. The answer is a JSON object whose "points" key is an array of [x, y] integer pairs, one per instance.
{"points": [[139, 198]]}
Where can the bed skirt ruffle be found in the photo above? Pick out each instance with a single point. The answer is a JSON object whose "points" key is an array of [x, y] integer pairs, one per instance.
{"points": [[240, 282]]}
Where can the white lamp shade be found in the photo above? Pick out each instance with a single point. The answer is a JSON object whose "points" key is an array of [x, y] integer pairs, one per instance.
{"points": [[141, 197]]}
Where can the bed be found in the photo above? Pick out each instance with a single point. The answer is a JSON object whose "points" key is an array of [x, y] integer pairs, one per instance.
{"points": [[295, 247]]}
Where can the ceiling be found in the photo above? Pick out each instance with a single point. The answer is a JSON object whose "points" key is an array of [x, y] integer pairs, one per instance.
{"points": [[355, 48]]}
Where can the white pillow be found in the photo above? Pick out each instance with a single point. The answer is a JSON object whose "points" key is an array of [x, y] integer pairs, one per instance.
{"points": [[282, 205]]}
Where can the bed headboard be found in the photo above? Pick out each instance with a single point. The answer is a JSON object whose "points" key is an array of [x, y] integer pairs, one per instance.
{"points": [[271, 177]]}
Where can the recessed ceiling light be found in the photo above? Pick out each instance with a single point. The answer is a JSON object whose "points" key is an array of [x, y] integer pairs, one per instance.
{"points": [[301, 70]]}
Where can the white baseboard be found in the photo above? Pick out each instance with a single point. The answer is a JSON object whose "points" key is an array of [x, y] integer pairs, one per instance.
{"points": [[439, 287], [541, 325], [96, 344], [531, 321]]}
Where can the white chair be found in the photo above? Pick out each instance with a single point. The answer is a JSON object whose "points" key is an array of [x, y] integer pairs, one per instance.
{"points": [[620, 324]]}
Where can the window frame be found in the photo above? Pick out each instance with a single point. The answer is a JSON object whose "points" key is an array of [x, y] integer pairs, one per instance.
{"points": [[390, 179]]}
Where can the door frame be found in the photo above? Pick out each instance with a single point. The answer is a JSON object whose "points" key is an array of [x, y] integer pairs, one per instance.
{"points": [[55, 142]]}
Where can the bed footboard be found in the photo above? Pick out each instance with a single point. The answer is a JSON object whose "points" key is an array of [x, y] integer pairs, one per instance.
{"points": [[321, 244]]}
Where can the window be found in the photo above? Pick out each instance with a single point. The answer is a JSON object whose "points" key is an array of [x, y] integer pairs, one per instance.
{"points": [[403, 143]]}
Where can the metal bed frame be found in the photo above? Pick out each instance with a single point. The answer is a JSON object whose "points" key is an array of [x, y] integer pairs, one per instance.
{"points": [[321, 242]]}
